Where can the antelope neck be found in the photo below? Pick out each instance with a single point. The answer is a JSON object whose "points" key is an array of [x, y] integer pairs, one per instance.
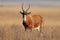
{"points": [[24, 18]]}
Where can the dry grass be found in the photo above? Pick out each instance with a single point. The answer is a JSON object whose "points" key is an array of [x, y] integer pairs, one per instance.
{"points": [[11, 27]]}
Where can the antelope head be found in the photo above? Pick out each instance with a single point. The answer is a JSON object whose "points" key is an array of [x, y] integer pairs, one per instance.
{"points": [[25, 12]]}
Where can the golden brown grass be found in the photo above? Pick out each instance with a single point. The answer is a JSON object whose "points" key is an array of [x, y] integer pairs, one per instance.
{"points": [[11, 27]]}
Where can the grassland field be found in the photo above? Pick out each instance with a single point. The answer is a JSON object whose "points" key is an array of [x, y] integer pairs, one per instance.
{"points": [[11, 27]]}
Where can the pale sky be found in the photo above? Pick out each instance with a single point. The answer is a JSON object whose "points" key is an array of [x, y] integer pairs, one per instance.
{"points": [[38, 3]]}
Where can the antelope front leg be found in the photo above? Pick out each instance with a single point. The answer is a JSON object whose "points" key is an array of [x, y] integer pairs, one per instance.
{"points": [[32, 26]]}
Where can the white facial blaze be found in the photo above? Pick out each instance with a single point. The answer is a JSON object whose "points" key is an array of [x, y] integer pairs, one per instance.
{"points": [[24, 18]]}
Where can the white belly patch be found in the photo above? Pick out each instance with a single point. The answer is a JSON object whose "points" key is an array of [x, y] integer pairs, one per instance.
{"points": [[37, 28]]}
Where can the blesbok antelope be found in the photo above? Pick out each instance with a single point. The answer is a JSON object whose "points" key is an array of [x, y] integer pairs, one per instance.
{"points": [[31, 22]]}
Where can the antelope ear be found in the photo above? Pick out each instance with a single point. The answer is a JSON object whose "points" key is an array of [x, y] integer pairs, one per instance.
{"points": [[29, 12], [20, 12]]}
